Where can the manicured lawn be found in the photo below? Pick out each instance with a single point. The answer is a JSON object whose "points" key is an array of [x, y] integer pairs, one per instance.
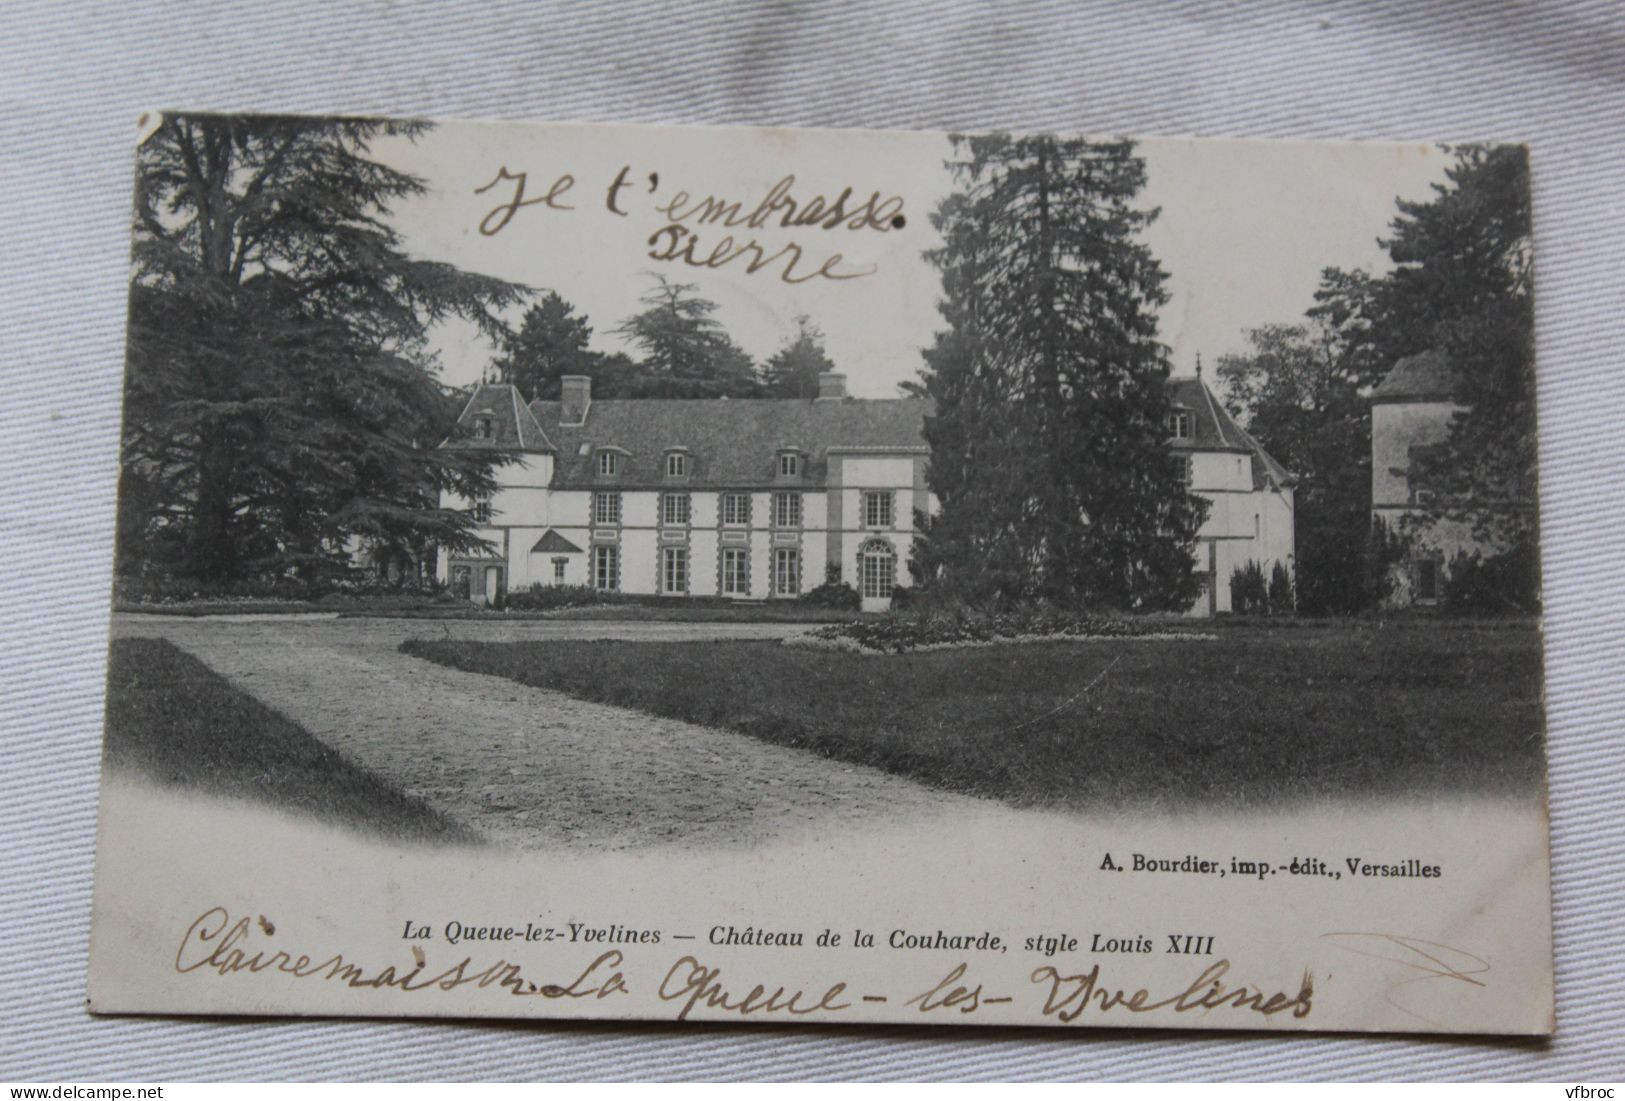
{"points": [[672, 612], [173, 720], [1250, 717]]}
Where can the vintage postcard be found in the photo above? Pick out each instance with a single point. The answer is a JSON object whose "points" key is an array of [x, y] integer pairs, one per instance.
{"points": [[792, 575]]}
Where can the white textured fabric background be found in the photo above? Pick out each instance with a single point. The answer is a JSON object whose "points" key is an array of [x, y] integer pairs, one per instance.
{"points": [[74, 75]]}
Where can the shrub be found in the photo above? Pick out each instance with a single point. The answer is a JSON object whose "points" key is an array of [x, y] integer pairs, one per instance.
{"points": [[1502, 584], [1249, 595], [833, 593], [542, 598], [963, 625], [154, 589], [1281, 597]]}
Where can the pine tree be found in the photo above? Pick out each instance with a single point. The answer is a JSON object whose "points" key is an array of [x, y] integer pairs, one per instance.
{"points": [[793, 370], [280, 392], [1049, 445], [551, 342], [686, 351]]}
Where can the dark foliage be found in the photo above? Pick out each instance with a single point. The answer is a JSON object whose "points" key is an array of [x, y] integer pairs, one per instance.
{"points": [[1249, 592], [792, 371], [1283, 601], [551, 342], [1501, 584], [832, 594], [279, 388], [1299, 393], [686, 351], [1048, 445]]}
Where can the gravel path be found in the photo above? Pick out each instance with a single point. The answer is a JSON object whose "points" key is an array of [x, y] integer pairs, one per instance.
{"points": [[532, 767]]}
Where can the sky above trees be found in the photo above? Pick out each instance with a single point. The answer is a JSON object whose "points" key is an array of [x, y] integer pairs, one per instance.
{"points": [[1244, 231]]}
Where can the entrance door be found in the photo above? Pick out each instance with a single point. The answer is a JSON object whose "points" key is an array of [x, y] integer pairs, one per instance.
{"points": [[877, 569], [493, 584]]}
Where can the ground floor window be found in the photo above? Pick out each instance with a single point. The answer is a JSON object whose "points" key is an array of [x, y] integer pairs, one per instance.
{"points": [[877, 569], [786, 571], [735, 572], [606, 568], [674, 570], [558, 570]]}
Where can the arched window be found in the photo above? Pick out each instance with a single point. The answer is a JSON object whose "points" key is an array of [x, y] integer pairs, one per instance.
{"points": [[877, 570]]}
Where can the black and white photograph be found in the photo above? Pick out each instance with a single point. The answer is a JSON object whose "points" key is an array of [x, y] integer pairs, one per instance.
{"points": [[828, 576]]}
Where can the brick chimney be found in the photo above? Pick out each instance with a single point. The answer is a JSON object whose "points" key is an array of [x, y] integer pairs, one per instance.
{"points": [[575, 397], [831, 386]]}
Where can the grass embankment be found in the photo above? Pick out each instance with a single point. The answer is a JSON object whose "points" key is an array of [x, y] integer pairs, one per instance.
{"points": [[1250, 718], [173, 720]]}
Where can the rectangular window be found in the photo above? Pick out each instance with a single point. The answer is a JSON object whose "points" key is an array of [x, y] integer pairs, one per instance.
{"points": [[877, 510], [482, 509], [789, 465], [735, 509], [674, 510], [735, 572], [787, 510], [484, 428], [676, 465], [786, 571], [558, 570], [609, 462], [1179, 425], [606, 568], [606, 508], [674, 570]]}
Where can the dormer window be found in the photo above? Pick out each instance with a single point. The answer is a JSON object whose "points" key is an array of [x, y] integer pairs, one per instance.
{"points": [[609, 463], [1179, 424], [676, 464], [485, 428], [789, 464]]}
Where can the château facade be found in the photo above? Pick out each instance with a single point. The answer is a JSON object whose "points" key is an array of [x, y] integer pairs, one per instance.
{"points": [[765, 499]]}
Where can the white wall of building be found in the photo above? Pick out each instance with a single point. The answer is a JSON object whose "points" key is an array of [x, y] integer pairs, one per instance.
{"points": [[1395, 428]]}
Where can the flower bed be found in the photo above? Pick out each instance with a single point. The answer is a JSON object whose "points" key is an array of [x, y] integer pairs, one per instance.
{"points": [[913, 633]]}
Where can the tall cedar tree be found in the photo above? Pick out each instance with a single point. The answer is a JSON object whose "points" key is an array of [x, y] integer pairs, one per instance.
{"points": [[686, 351], [551, 342], [1049, 440], [1299, 392], [793, 370], [280, 395]]}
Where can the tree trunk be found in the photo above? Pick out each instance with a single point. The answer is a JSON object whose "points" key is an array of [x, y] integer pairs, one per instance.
{"points": [[210, 553]]}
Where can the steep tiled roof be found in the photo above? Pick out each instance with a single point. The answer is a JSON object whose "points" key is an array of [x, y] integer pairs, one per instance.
{"points": [[736, 444], [1426, 376], [514, 427], [729, 443], [1214, 429]]}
